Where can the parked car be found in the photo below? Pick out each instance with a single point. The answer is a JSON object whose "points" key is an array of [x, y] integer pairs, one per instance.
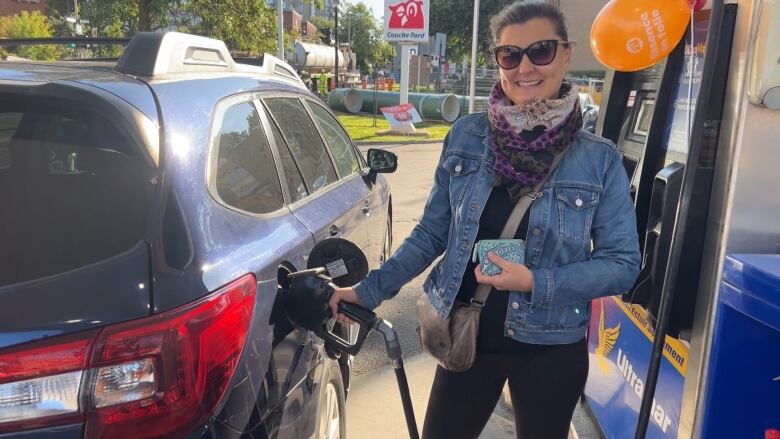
{"points": [[150, 210], [590, 112]]}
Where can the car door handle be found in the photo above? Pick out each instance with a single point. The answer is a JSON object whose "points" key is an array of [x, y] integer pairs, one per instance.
{"points": [[366, 207], [334, 230]]}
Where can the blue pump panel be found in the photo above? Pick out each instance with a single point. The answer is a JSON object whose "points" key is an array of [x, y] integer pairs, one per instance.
{"points": [[743, 397]]}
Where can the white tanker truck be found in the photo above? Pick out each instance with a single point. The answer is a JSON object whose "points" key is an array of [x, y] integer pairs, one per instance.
{"points": [[314, 58]]}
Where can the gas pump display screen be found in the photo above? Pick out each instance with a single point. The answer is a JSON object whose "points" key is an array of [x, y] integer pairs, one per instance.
{"points": [[642, 122], [638, 123]]}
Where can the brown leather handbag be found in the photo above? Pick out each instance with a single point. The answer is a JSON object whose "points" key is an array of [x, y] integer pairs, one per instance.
{"points": [[452, 340]]}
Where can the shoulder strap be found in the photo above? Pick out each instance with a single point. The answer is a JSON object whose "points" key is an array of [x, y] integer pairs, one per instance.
{"points": [[510, 228]]}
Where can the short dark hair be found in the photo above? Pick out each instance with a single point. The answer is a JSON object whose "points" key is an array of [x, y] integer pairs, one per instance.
{"points": [[522, 11]]}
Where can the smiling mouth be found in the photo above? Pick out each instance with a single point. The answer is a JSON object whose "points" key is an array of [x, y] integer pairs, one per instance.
{"points": [[527, 83]]}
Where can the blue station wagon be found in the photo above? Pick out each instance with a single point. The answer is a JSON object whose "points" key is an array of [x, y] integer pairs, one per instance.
{"points": [[150, 210]]}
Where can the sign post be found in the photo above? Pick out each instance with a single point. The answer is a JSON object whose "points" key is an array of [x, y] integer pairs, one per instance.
{"points": [[280, 24], [474, 35], [406, 22], [405, 72]]}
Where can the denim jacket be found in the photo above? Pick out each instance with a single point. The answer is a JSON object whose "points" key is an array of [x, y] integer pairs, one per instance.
{"points": [[581, 244]]}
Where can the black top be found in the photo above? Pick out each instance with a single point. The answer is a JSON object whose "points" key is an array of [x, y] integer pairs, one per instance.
{"points": [[491, 336]]}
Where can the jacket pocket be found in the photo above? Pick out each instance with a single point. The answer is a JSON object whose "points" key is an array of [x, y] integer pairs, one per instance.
{"points": [[461, 169], [555, 317], [576, 207]]}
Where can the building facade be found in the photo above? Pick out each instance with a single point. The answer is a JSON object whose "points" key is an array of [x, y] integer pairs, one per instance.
{"points": [[14, 7], [292, 21], [306, 9], [580, 15]]}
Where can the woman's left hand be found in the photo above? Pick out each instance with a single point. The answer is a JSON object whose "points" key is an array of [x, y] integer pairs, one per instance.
{"points": [[513, 277]]}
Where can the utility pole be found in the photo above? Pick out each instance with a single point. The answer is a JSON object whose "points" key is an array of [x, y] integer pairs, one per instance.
{"points": [[474, 35], [336, 31], [280, 19]]}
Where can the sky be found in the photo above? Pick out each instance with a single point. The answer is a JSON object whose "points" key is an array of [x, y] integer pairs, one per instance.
{"points": [[376, 5]]}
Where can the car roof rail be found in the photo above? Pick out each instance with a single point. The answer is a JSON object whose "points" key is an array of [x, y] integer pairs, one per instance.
{"points": [[169, 53], [275, 66]]}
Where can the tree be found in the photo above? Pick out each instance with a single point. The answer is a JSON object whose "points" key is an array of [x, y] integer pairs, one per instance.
{"points": [[321, 23], [289, 38], [456, 17], [359, 28], [130, 16], [244, 25], [384, 53], [29, 25]]}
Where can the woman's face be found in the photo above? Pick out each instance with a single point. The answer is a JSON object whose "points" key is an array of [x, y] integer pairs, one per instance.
{"points": [[528, 81]]}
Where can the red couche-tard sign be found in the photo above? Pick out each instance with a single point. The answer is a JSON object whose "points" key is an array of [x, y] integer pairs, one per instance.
{"points": [[406, 20]]}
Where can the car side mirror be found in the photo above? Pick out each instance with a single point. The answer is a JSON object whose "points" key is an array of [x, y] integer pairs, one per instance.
{"points": [[382, 161]]}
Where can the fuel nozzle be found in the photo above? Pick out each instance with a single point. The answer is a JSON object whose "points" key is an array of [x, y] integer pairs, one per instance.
{"points": [[307, 307], [332, 263]]}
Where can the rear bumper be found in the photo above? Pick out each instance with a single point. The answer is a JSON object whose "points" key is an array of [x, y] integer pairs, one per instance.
{"points": [[73, 431]]}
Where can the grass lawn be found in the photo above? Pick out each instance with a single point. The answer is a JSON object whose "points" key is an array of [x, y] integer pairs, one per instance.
{"points": [[361, 128]]}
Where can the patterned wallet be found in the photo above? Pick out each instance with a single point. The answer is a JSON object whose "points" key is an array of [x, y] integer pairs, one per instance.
{"points": [[510, 249]]}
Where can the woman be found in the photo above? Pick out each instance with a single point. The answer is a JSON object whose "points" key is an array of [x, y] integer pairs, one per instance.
{"points": [[580, 232]]}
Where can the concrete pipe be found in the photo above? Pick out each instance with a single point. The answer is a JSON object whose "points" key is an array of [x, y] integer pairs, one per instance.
{"points": [[346, 100], [444, 107], [480, 104]]}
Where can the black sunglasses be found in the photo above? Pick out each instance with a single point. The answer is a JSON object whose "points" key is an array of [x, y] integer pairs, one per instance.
{"points": [[539, 53]]}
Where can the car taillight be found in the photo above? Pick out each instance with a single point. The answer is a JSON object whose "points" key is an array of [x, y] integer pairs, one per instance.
{"points": [[40, 381], [156, 376]]}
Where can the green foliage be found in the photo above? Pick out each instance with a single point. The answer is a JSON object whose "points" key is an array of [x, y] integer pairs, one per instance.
{"points": [[360, 127], [106, 51], [132, 15], [358, 27], [289, 38], [384, 53], [318, 3], [56, 10], [244, 25], [455, 18], [29, 25], [322, 23]]}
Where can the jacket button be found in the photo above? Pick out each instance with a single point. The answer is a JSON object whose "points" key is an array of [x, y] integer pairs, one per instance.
{"points": [[515, 305], [578, 202], [458, 168], [536, 231], [510, 332]]}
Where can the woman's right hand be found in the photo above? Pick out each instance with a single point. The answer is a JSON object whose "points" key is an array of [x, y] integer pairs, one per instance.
{"points": [[346, 294]]}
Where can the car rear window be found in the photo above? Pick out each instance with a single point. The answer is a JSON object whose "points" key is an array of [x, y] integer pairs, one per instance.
{"points": [[73, 189]]}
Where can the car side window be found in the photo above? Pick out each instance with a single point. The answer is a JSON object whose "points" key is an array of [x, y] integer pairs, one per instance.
{"points": [[292, 174], [246, 176], [305, 144], [338, 141]]}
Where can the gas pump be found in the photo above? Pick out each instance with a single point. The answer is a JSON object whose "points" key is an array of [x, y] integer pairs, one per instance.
{"points": [[668, 133], [659, 113], [693, 349]]}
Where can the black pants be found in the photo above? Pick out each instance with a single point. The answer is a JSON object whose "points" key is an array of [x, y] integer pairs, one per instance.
{"points": [[545, 383]]}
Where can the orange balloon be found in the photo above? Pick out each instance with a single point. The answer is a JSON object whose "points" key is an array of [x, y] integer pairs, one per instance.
{"points": [[630, 35]]}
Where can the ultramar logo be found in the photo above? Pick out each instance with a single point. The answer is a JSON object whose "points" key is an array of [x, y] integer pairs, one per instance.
{"points": [[659, 415]]}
